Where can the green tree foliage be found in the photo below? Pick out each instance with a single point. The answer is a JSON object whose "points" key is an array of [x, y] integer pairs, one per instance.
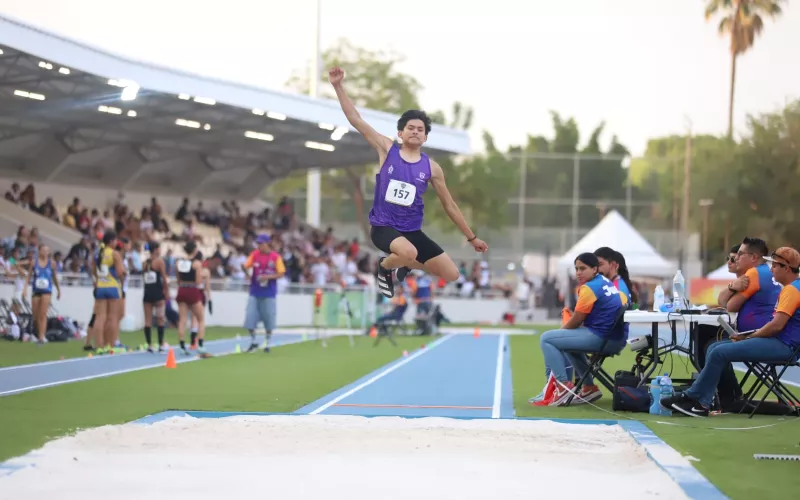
{"points": [[752, 183], [375, 82], [601, 174], [480, 185]]}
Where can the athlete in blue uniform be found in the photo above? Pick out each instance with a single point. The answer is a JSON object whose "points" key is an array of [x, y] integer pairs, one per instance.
{"points": [[42, 273]]}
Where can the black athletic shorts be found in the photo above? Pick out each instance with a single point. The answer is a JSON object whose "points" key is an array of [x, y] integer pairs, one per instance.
{"points": [[153, 297], [383, 236]]}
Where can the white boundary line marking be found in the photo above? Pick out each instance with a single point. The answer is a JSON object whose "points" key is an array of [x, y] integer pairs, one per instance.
{"points": [[378, 376], [129, 353], [116, 372], [498, 378]]}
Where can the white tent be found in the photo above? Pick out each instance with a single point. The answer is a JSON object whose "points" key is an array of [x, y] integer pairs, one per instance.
{"points": [[721, 274], [616, 232]]}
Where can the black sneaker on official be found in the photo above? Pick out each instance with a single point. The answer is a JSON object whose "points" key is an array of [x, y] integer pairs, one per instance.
{"points": [[385, 284], [679, 398], [402, 273], [685, 405]]}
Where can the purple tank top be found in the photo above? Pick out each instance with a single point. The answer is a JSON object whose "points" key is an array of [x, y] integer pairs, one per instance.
{"points": [[399, 187]]}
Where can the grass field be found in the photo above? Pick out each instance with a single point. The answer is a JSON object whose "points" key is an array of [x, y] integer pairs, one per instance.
{"points": [[283, 381], [294, 375], [725, 456], [21, 353]]}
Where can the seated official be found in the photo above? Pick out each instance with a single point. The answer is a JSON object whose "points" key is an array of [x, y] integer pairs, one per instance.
{"points": [[756, 301], [773, 342], [589, 329], [612, 265], [398, 311], [753, 296]]}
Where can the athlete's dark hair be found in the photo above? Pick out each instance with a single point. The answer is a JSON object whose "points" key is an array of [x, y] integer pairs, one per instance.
{"points": [[108, 237], [414, 114], [626, 276], [756, 245], [588, 258], [189, 247], [612, 255], [735, 248], [606, 253]]}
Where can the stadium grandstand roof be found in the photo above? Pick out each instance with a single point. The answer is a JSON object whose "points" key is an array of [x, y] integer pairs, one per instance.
{"points": [[76, 115]]}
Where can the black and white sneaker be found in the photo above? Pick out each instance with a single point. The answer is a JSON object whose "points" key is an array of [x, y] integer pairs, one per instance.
{"points": [[385, 284], [402, 273], [684, 404]]}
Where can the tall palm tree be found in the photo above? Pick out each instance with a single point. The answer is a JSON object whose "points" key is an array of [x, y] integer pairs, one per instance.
{"points": [[741, 22]]}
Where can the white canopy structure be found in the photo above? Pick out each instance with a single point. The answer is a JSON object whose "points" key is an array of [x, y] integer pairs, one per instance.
{"points": [[721, 273], [616, 232]]}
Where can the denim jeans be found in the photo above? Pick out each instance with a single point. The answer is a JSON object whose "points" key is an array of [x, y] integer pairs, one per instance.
{"points": [[722, 353], [262, 309], [555, 342]]}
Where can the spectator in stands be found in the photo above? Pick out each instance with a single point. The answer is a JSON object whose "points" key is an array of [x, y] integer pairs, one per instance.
{"points": [[235, 263], [78, 256], [182, 214], [11, 242], [146, 227], [48, 209], [285, 214], [33, 241], [14, 193], [189, 233], [155, 213], [27, 199], [169, 262], [75, 209], [84, 221], [58, 260], [134, 257], [319, 271]]}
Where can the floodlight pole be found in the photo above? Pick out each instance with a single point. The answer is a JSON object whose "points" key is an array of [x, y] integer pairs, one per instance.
{"points": [[314, 180]]}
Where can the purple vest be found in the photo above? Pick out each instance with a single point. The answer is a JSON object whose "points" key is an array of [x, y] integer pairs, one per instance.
{"points": [[399, 187], [264, 263]]}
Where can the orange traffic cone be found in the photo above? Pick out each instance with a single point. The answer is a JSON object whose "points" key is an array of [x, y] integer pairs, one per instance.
{"points": [[373, 332], [171, 359], [477, 332]]}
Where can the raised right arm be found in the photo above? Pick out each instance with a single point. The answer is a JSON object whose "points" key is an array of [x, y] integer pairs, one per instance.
{"points": [[379, 142]]}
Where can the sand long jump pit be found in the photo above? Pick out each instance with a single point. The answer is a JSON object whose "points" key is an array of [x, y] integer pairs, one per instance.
{"points": [[350, 458]]}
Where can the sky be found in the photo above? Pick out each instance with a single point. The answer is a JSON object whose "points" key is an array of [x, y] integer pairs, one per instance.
{"points": [[648, 68]]}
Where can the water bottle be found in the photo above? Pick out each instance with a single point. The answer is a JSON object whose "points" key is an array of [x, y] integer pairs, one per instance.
{"points": [[667, 391], [655, 396], [678, 292], [658, 298]]}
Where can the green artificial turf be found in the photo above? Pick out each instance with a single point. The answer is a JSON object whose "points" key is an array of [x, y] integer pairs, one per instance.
{"points": [[725, 456], [288, 378], [22, 353]]}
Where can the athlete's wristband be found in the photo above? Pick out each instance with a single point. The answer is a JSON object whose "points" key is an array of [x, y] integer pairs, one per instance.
{"points": [[470, 240]]}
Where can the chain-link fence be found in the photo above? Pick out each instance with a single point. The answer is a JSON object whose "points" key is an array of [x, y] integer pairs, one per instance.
{"points": [[548, 202]]}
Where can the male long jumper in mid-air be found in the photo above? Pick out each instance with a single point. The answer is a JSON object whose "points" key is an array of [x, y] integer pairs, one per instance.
{"points": [[398, 208]]}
